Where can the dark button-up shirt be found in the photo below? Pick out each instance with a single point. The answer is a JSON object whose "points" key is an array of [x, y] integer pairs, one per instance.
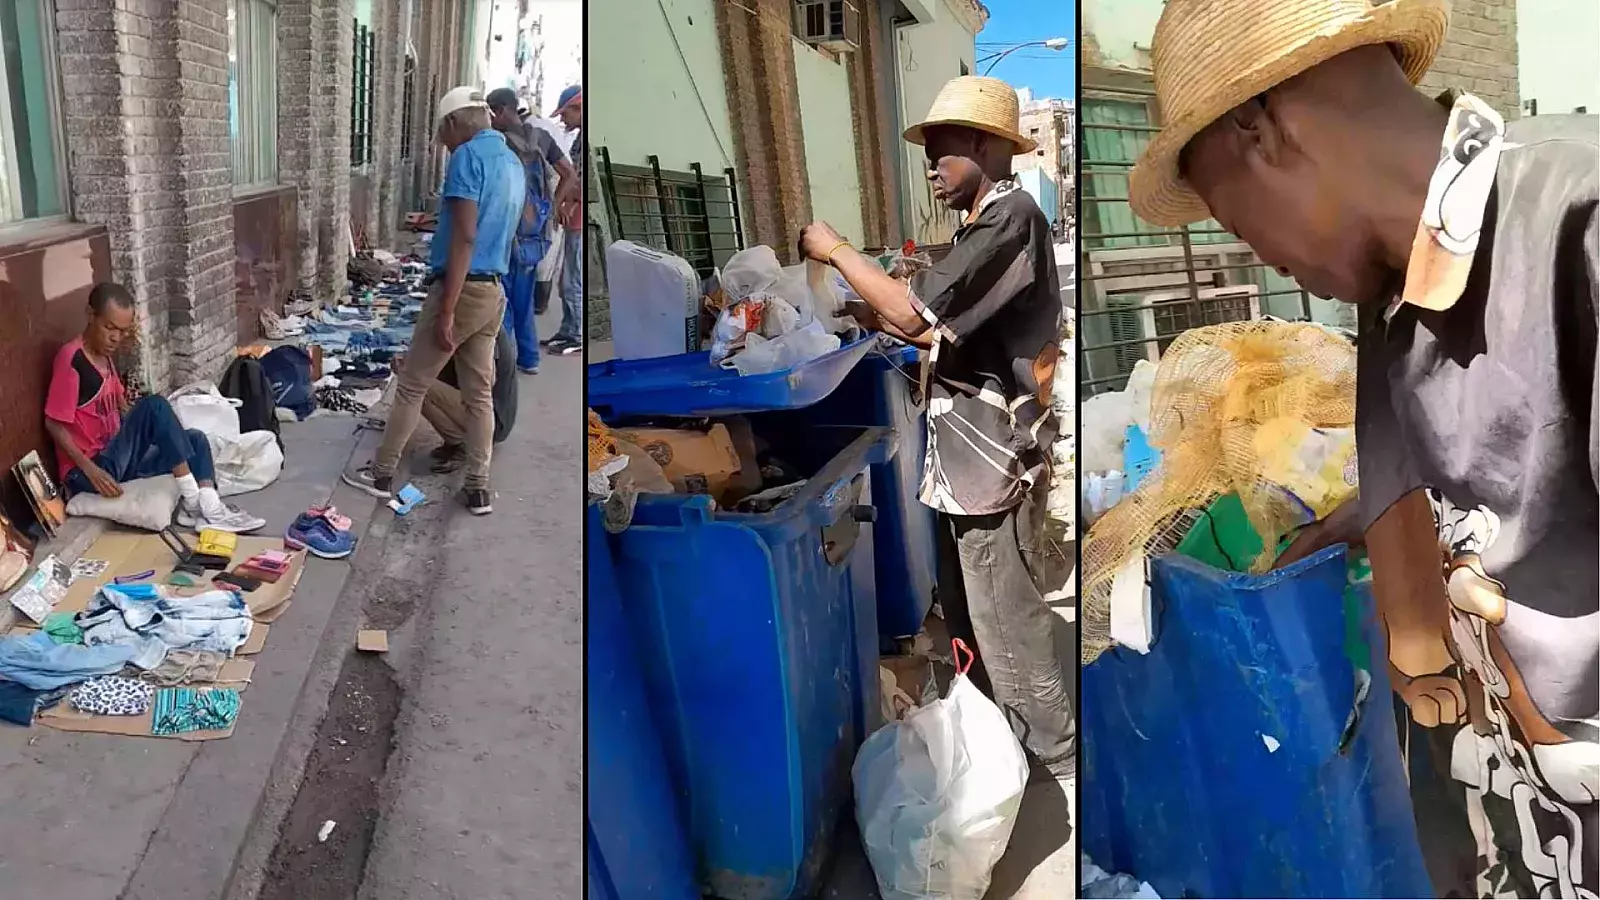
{"points": [[994, 305]]}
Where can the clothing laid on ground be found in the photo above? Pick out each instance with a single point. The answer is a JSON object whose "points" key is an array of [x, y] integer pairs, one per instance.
{"points": [[477, 327], [990, 589], [61, 628], [37, 661], [485, 172], [151, 441], [994, 307], [143, 620], [182, 666], [448, 415], [86, 399], [183, 710], [19, 704], [1478, 386], [113, 695]]}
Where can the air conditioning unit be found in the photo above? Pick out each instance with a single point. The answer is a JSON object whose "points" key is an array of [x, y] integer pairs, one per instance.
{"points": [[1160, 316], [830, 24]]}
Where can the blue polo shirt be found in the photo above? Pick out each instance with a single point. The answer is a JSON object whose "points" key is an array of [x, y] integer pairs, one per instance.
{"points": [[485, 171]]}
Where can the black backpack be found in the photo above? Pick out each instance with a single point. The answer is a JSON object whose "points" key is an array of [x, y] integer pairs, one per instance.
{"points": [[246, 382]]}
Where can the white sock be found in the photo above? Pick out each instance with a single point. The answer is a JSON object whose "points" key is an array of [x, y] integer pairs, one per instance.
{"points": [[188, 488], [211, 502]]}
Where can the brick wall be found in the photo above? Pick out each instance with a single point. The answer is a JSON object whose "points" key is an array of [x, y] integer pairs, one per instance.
{"points": [[764, 108], [1480, 54], [161, 182]]}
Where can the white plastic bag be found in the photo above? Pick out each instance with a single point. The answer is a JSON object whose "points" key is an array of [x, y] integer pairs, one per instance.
{"points": [[751, 270], [246, 463], [937, 795], [761, 356], [202, 407]]}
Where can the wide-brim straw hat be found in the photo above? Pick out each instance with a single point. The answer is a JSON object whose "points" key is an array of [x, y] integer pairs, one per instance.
{"points": [[974, 101], [1209, 56]]}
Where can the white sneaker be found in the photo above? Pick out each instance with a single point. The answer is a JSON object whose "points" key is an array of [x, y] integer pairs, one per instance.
{"points": [[226, 518]]}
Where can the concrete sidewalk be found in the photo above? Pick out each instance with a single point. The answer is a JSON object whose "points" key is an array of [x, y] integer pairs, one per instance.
{"points": [[100, 817]]}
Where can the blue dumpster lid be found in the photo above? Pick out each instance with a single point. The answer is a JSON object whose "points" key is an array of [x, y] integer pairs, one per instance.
{"points": [[689, 385]]}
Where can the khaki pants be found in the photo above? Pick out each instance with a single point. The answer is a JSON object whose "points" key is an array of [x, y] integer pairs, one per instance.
{"points": [[443, 409], [477, 324]]}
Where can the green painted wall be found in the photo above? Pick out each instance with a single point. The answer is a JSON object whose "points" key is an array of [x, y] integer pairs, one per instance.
{"points": [[830, 141], [662, 86], [928, 55]]}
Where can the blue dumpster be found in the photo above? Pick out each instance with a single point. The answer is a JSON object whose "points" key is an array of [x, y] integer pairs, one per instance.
{"points": [[633, 828], [758, 636], [883, 390], [688, 385], [1220, 765]]}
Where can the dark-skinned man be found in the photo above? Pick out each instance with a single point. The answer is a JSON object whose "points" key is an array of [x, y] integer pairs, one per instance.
{"points": [[1470, 246], [989, 314]]}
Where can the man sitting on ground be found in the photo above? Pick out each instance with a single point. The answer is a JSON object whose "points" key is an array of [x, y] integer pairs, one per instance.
{"points": [[103, 440]]}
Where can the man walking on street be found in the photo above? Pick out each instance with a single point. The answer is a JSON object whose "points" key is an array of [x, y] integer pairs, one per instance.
{"points": [[536, 148], [484, 192], [568, 339], [989, 314]]}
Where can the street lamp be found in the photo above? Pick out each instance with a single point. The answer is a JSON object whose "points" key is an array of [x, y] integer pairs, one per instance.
{"points": [[1059, 43]]}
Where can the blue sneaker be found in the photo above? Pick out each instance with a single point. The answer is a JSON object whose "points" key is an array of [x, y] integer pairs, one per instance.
{"points": [[319, 537]]}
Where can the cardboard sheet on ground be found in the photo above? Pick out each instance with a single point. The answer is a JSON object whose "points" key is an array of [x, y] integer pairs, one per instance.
{"points": [[128, 553]]}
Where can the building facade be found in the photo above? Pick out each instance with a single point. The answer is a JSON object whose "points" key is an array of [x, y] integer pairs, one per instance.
{"points": [[757, 122], [1143, 285], [210, 155], [1051, 124]]}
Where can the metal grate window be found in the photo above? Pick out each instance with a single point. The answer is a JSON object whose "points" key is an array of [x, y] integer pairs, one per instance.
{"points": [[1144, 285], [407, 99], [363, 52], [688, 214]]}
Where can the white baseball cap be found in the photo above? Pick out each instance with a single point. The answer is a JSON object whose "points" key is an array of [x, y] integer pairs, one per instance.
{"points": [[457, 99]]}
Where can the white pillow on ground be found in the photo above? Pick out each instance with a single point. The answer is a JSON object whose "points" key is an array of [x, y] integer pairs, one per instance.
{"points": [[146, 503]]}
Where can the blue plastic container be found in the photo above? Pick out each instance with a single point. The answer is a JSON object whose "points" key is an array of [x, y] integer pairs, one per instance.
{"points": [[688, 385], [758, 636], [1216, 766], [638, 849], [883, 390]]}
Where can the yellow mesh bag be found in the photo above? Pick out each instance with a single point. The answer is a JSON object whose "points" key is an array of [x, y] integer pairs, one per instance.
{"points": [[1216, 388], [602, 446]]}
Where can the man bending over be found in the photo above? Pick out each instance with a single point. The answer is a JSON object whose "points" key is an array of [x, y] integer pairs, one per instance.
{"points": [[102, 440]]}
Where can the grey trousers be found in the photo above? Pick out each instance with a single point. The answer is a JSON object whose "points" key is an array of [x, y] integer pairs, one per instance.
{"points": [[990, 568]]}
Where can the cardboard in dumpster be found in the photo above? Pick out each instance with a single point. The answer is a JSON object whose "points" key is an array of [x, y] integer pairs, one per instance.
{"points": [[696, 462]]}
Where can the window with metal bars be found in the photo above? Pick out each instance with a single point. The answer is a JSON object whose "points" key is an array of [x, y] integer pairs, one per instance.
{"points": [[363, 50], [689, 214], [1143, 285], [407, 98]]}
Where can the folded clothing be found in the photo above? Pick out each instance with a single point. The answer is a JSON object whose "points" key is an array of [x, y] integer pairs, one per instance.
{"points": [[143, 619], [113, 695], [182, 666], [36, 661], [182, 710], [19, 704], [62, 629]]}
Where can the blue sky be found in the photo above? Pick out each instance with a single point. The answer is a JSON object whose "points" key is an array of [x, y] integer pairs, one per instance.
{"points": [[1049, 73]]}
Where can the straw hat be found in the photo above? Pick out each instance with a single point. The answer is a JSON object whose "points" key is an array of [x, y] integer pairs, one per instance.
{"points": [[972, 101], [1209, 56]]}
